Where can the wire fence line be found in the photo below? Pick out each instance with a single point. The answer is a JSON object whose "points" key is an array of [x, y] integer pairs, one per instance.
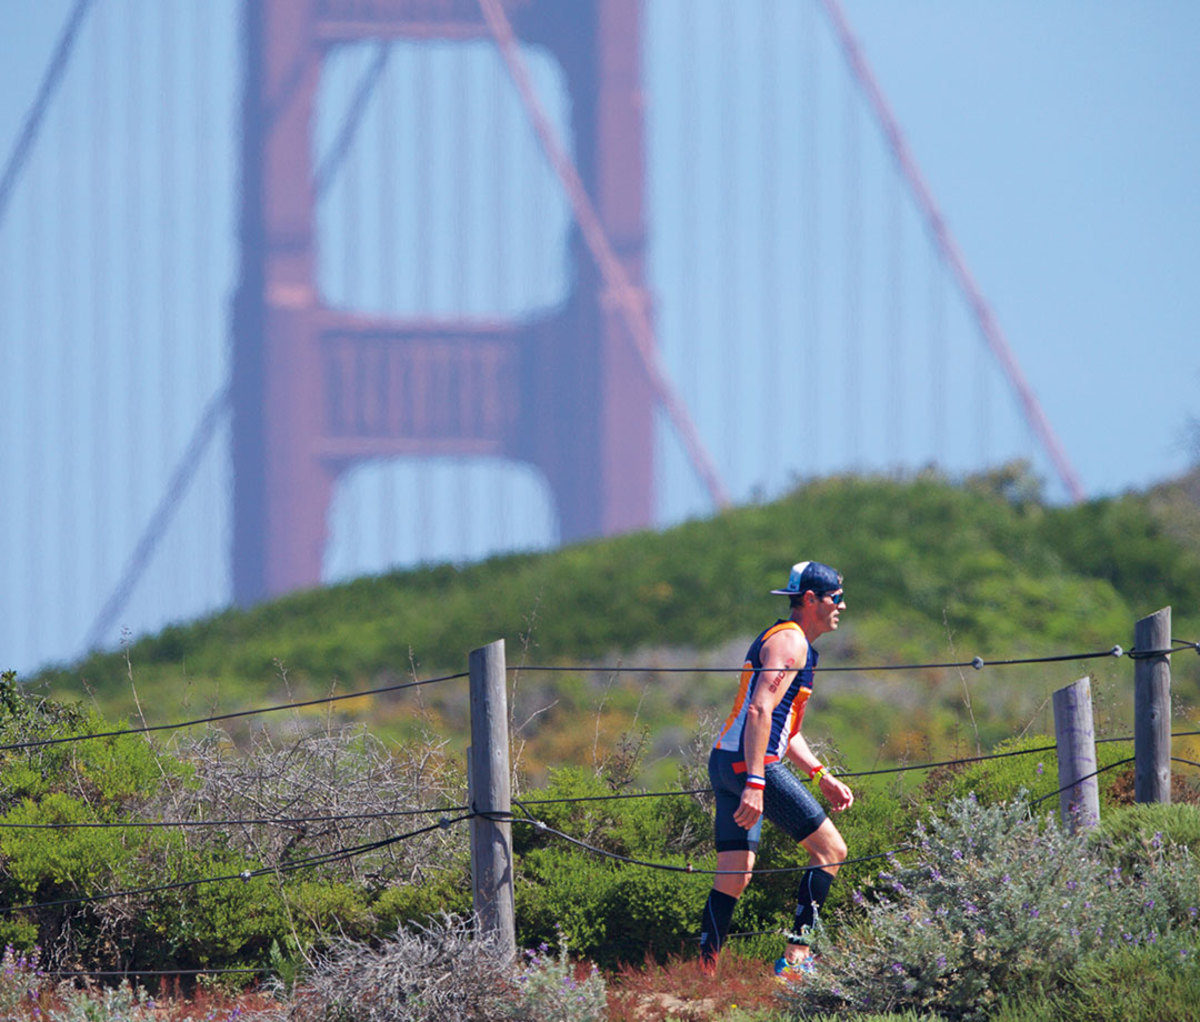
{"points": [[539, 826], [976, 663], [467, 813]]}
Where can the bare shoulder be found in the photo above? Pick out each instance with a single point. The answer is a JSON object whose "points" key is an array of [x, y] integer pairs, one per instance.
{"points": [[787, 648]]}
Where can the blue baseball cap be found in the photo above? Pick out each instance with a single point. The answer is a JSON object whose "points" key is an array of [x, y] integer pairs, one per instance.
{"points": [[814, 575]]}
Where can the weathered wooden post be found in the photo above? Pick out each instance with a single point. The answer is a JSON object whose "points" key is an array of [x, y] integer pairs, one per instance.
{"points": [[1152, 709], [1075, 736], [490, 793]]}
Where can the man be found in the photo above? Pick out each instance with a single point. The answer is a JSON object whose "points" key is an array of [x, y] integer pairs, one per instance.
{"points": [[749, 777]]}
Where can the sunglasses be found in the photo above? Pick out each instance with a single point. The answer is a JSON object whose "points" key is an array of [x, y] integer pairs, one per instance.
{"points": [[838, 597]]}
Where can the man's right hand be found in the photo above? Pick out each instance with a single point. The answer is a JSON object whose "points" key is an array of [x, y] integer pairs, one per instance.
{"points": [[750, 809]]}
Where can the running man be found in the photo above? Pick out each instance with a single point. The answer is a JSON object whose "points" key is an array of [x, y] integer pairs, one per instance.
{"points": [[749, 777]]}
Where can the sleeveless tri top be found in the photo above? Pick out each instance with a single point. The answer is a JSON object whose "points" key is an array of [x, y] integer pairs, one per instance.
{"points": [[786, 717]]}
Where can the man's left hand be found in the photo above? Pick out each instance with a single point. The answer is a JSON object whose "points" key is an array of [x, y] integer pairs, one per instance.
{"points": [[839, 795]]}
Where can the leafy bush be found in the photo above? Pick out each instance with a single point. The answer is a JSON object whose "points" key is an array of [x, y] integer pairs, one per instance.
{"points": [[438, 891], [1143, 984], [607, 910], [997, 901], [1149, 825], [1028, 764]]}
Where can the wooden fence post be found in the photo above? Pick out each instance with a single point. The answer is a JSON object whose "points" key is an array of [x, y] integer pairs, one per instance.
{"points": [[1152, 709], [1079, 794], [490, 792]]}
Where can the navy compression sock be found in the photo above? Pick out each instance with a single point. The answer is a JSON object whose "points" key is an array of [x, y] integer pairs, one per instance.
{"points": [[810, 896], [714, 927]]}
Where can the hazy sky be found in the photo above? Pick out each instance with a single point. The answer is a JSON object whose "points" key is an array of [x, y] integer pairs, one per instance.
{"points": [[1061, 139]]}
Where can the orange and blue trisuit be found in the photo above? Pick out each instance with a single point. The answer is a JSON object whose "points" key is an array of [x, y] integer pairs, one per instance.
{"points": [[789, 806], [787, 803]]}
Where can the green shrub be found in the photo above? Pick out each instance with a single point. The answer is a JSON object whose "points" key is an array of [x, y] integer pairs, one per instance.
{"points": [[561, 891], [1028, 767], [1149, 825], [77, 859], [419, 903], [607, 911], [1142, 984], [226, 922], [317, 908]]}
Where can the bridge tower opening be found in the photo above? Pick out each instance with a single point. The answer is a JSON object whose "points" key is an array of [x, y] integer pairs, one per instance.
{"points": [[317, 390]]}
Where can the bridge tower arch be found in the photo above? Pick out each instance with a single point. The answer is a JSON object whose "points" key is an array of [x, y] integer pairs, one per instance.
{"points": [[317, 390]]}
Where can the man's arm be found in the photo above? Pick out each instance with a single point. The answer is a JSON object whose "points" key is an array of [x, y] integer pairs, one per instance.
{"points": [[839, 794]]}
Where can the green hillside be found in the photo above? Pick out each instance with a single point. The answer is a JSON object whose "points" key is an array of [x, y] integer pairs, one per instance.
{"points": [[935, 571]]}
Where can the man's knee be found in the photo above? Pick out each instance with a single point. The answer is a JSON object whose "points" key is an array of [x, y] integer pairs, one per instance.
{"points": [[732, 884], [836, 854], [734, 870], [827, 847]]}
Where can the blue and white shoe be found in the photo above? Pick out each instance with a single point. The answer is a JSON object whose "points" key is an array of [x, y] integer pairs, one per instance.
{"points": [[793, 972]]}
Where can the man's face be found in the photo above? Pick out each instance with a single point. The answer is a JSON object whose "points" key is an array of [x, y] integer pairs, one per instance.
{"points": [[828, 608]]}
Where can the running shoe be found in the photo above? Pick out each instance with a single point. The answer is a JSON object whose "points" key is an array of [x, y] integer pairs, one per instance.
{"points": [[793, 972]]}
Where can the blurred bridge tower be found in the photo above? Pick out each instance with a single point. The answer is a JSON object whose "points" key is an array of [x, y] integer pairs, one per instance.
{"points": [[316, 390]]}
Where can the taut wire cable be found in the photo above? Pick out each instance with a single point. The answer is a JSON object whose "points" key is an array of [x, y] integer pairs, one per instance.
{"points": [[147, 729], [977, 663]]}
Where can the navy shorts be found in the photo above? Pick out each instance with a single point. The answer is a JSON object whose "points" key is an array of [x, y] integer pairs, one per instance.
{"points": [[787, 803]]}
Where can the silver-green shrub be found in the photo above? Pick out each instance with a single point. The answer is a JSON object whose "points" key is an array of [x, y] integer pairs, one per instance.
{"points": [[439, 972], [992, 902], [123, 1003], [419, 974], [551, 990], [21, 980]]}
